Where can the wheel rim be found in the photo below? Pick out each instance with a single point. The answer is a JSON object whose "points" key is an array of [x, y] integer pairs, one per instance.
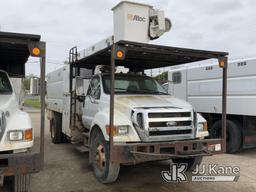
{"points": [[100, 158]]}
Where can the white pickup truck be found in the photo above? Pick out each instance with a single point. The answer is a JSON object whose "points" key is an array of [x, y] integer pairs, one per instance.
{"points": [[16, 133]]}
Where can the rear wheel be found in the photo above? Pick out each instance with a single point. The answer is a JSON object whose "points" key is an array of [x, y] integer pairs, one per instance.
{"points": [[191, 162], [104, 170], [234, 136], [56, 128]]}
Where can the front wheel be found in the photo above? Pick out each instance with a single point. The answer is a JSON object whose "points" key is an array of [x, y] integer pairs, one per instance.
{"points": [[191, 162], [104, 170]]}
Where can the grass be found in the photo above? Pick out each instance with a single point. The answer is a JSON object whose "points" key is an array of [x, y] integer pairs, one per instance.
{"points": [[34, 103]]}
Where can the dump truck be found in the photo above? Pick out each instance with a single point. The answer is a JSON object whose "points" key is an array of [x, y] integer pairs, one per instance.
{"points": [[124, 118], [200, 84], [17, 160]]}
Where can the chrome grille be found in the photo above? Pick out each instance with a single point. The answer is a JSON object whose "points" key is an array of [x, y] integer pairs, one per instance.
{"points": [[170, 123], [160, 115], [170, 132], [165, 124]]}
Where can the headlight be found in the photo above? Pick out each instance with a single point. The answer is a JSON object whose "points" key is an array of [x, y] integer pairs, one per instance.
{"points": [[202, 126], [16, 135], [118, 130], [123, 129]]}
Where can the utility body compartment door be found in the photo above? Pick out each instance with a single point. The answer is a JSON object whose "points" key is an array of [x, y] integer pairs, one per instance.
{"points": [[66, 103], [66, 115]]}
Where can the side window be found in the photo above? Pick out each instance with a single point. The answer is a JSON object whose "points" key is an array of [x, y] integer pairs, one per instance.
{"points": [[176, 77], [94, 88]]}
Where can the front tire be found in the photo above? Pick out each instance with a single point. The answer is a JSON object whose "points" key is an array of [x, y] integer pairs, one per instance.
{"points": [[104, 170], [191, 162]]}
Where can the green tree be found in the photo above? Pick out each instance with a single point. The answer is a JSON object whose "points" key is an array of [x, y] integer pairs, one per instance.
{"points": [[26, 83], [162, 77]]}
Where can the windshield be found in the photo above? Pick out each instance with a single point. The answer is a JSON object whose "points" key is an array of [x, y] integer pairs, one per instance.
{"points": [[5, 86], [133, 84]]}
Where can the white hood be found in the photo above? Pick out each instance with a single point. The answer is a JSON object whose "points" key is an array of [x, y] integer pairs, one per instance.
{"points": [[8, 101], [150, 101]]}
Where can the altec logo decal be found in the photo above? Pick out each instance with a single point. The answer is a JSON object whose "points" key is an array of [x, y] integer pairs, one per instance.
{"points": [[132, 17]]}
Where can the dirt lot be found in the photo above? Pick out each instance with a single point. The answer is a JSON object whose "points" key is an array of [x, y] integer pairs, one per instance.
{"points": [[67, 170]]}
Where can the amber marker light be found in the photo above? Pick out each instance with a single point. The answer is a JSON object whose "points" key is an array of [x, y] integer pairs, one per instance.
{"points": [[119, 54], [29, 134], [36, 51]]}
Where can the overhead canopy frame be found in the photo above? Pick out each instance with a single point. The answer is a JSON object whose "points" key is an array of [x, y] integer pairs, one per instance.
{"points": [[14, 52], [140, 56]]}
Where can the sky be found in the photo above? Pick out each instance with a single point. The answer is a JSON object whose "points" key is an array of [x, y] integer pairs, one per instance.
{"points": [[217, 25]]}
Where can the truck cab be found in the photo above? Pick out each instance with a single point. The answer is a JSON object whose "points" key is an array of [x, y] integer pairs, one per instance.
{"points": [[16, 133], [146, 112]]}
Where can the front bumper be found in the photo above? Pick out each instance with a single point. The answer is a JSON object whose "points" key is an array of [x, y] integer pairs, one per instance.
{"points": [[133, 153], [19, 163]]}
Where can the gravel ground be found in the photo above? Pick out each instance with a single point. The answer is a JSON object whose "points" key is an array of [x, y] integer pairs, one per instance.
{"points": [[67, 170]]}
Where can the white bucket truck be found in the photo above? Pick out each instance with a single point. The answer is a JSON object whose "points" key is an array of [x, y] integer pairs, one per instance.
{"points": [[127, 118]]}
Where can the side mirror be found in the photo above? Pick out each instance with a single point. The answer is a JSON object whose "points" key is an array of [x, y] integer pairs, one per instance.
{"points": [[81, 98]]}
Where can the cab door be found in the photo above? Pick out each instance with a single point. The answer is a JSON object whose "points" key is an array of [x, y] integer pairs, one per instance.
{"points": [[91, 106]]}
